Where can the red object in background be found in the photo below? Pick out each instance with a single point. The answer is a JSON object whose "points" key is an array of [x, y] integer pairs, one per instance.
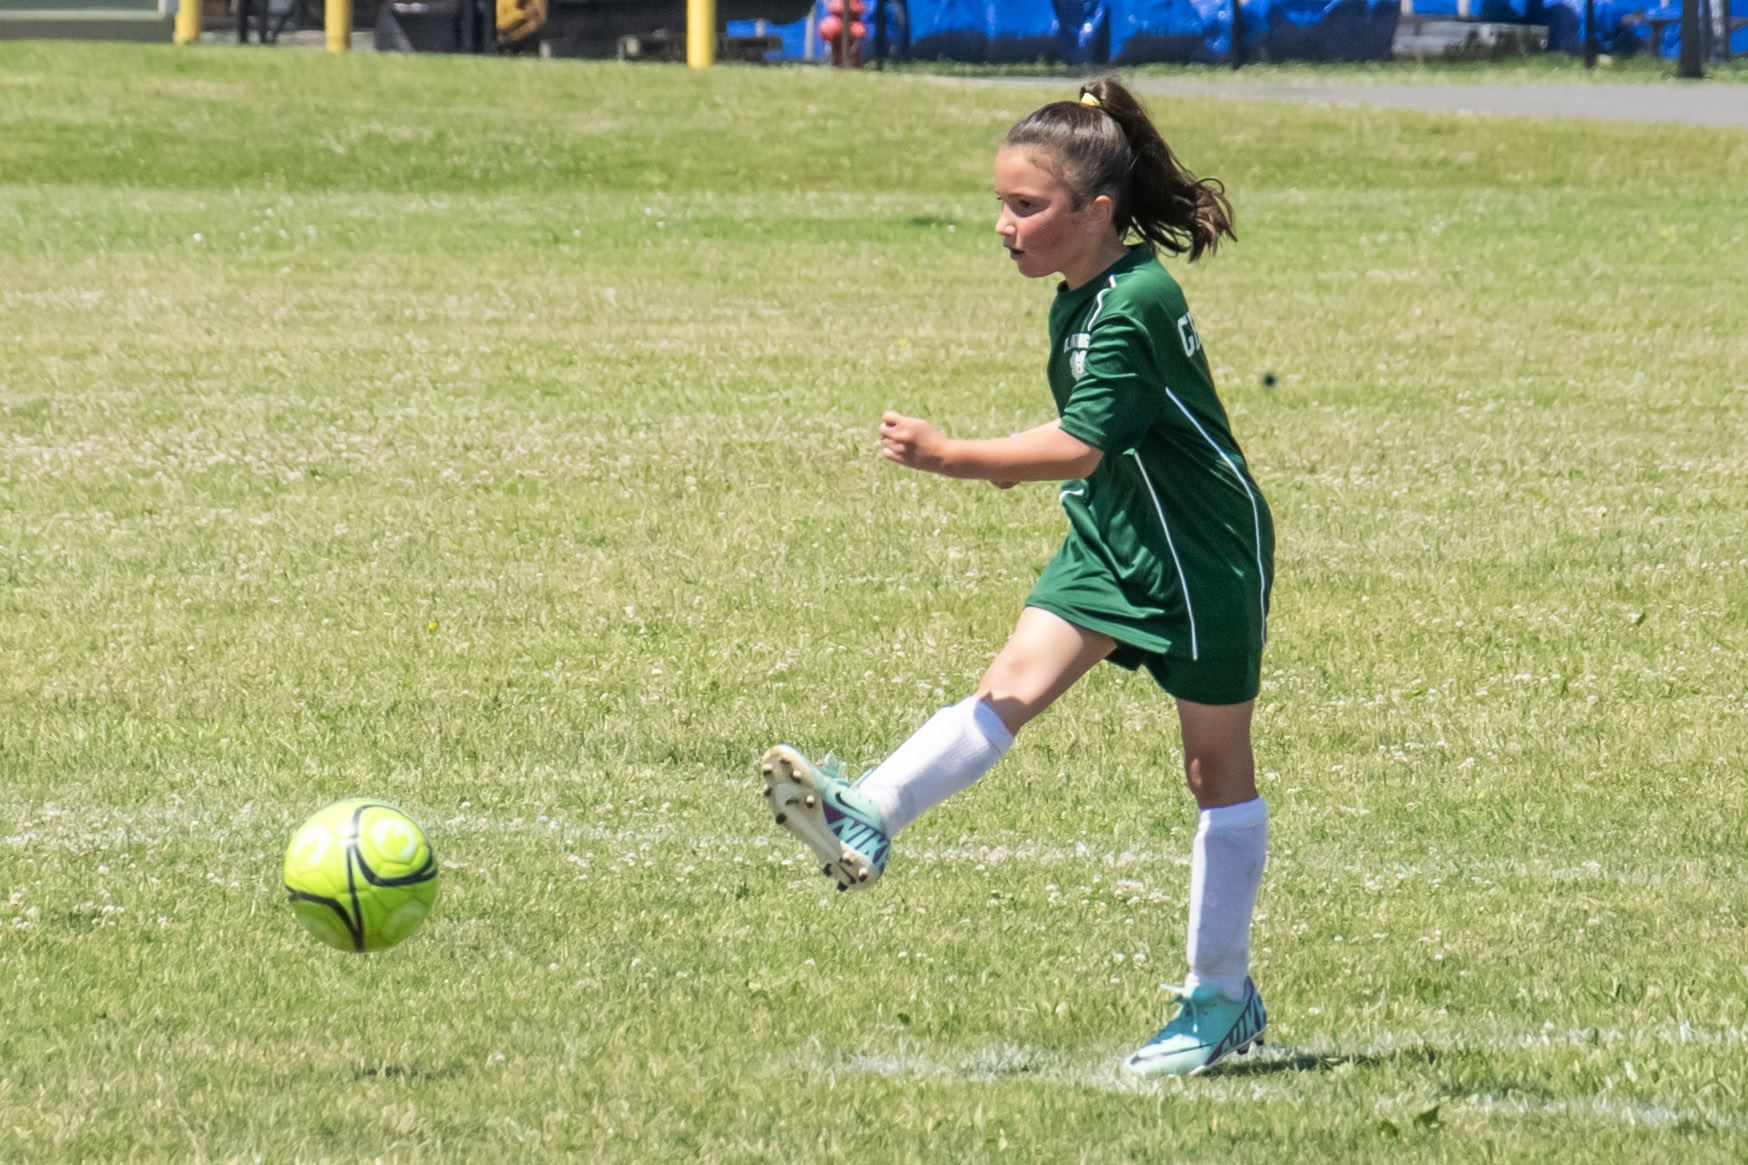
{"points": [[844, 38]]}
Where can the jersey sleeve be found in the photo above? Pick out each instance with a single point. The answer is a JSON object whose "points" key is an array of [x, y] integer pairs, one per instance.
{"points": [[1115, 400]]}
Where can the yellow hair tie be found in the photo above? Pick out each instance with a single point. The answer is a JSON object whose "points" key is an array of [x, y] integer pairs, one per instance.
{"points": [[1088, 99]]}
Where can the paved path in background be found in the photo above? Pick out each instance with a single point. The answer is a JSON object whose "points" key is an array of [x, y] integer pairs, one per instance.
{"points": [[1713, 105], [1675, 102]]}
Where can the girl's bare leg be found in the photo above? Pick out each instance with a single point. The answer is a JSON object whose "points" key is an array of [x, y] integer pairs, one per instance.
{"points": [[1226, 858], [1217, 759], [958, 744], [1043, 658]]}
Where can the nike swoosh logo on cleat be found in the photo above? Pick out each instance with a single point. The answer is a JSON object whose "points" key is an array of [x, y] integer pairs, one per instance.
{"points": [[836, 801]]}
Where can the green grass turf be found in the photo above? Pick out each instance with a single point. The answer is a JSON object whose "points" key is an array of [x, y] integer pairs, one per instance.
{"points": [[496, 437]]}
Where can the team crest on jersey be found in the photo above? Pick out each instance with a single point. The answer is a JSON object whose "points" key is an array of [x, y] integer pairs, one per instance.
{"points": [[1076, 346]]}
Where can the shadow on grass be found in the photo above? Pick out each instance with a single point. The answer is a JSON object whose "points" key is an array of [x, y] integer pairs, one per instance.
{"points": [[1271, 1061], [407, 1072]]}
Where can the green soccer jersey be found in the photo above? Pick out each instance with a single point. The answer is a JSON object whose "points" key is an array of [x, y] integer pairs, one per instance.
{"points": [[1170, 549]]}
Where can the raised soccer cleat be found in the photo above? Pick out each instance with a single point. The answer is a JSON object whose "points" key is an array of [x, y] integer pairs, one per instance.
{"points": [[836, 820], [1207, 1027]]}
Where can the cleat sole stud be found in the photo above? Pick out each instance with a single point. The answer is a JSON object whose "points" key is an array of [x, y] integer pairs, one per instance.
{"points": [[781, 818]]}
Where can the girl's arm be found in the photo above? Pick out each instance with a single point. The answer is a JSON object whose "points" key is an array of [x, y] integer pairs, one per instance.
{"points": [[1045, 453]]}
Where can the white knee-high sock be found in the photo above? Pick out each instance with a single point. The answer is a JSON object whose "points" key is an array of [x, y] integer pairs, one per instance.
{"points": [[953, 748], [1225, 870]]}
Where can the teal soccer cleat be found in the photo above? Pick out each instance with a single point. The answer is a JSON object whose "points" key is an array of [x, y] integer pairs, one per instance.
{"points": [[838, 821], [1207, 1027]]}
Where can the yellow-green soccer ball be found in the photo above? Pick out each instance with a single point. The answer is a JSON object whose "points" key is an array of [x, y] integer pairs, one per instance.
{"points": [[361, 875]]}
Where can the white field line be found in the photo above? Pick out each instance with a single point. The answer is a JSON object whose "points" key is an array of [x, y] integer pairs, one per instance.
{"points": [[61, 828], [1286, 1085], [1502, 1040], [54, 826], [1000, 1061], [984, 1065]]}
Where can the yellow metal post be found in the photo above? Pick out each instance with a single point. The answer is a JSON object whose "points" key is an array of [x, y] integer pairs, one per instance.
{"points": [[337, 15], [187, 29], [700, 33]]}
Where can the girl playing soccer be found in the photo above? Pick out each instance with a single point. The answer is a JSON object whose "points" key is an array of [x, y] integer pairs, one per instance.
{"points": [[1169, 554]]}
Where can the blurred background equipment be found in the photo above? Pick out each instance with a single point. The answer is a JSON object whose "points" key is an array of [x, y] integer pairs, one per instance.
{"points": [[628, 29], [1076, 33], [656, 29], [135, 20]]}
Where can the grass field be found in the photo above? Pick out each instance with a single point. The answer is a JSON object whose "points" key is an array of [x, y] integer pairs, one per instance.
{"points": [[497, 438]]}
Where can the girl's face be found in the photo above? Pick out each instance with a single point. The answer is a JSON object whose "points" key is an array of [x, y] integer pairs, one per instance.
{"points": [[1041, 227]]}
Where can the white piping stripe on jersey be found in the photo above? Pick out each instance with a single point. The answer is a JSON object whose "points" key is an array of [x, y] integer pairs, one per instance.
{"points": [[1262, 586], [1255, 513], [1182, 582], [1099, 304]]}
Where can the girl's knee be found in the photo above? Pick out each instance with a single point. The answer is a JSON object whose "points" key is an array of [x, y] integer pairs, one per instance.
{"points": [[1214, 782], [1011, 687]]}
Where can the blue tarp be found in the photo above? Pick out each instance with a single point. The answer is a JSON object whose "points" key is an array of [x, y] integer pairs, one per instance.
{"points": [[1492, 11], [1170, 30], [1617, 27], [983, 30], [1084, 31], [794, 36], [1670, 45], [1093, 32], [1510, 11], [1624, 28], [1323, 30]]}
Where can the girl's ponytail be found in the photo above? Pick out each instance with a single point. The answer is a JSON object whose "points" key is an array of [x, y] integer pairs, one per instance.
{"points": [[1109, 145]]}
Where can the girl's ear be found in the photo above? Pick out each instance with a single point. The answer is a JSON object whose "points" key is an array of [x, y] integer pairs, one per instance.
{"points": [[1104, 208]]}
